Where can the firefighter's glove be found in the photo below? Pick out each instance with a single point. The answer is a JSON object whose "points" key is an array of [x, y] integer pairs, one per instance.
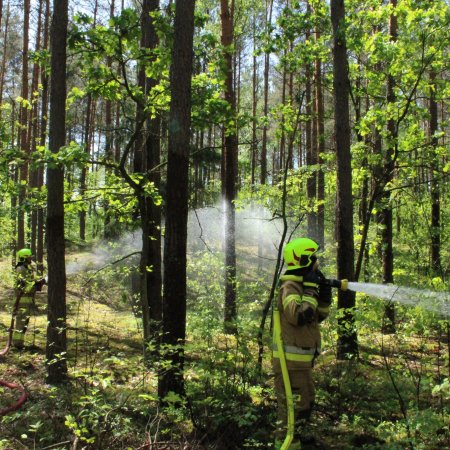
{"points": [[313, 276], [325, 293], [39, 284], [306, 314]]}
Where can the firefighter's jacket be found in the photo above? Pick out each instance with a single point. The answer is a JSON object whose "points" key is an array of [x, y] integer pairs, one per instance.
{"points": [[301, 342], [25, 280]]}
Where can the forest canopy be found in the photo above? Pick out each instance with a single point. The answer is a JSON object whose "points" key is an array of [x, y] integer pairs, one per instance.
{"points": [[155, 158]]}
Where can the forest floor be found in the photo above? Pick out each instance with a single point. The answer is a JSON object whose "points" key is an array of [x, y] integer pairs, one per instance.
{"points": [[393, 396]]}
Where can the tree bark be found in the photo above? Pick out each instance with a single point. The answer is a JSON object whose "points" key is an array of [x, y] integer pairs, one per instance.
{"points": [[34, 128], [87, 147], [254, 145], [435, 192], [43, 130], [263, 174], [174, 292], [151, 295], [311, 142], [23, 120], [3, 66], [347, 338], [231, 170], [110, 230], [319, 121], [56, 316], [388, 171]]}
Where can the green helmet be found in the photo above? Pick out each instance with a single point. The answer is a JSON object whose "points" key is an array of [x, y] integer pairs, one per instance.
{"points": [[24, 253], [299, 253]]}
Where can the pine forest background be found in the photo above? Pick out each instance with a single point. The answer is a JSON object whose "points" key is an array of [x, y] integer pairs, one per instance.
{"points": [[156, 159]]}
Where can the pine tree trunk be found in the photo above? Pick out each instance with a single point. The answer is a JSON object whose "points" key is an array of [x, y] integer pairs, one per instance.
{"points": [[278, 170], [34, 174], [263, 174], [87, 145], [230, 173], [347, 338], [435, 192], [110, 230], [84, 169], [386, 212], [4, 56], [42, 139], [311, 142], [23, 120], [319, 118], [56, 315], [151, 299], [174, 305], [254, 144]]}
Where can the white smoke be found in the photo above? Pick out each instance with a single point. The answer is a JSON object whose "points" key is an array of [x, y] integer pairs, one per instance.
{"points": [[257, 239], [104, 253]]}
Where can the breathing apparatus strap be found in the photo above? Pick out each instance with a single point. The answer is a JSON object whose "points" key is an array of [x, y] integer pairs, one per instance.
{"points": [[286, 380]]}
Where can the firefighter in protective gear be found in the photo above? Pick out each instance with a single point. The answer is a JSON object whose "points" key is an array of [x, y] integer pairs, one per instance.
{"points": [[302, 304], [26, 285]]}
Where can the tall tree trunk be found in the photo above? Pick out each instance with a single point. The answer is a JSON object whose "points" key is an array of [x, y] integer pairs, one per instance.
{"points": [[174, 293], [43, 131], [254, 145], [290, 155], [84, 169], [263, 175], [110, 224], [230, 173], [319, 121], [23, 120], [436, 265], [311, 143], [386, 211], [56, 316], [4, 56], [87, 148], [278, 169], [151, 299], [347, 338], [34, 173]]}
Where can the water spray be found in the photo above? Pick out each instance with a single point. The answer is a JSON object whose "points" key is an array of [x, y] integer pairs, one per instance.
{"points": [[438, 302]]}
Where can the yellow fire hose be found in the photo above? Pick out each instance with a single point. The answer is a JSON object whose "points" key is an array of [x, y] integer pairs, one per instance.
{"points": [[286, 381], [340, 284]]}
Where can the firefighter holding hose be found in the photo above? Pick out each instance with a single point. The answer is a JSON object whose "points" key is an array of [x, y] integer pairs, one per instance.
{"points": [[303, 302], [26, 285]]}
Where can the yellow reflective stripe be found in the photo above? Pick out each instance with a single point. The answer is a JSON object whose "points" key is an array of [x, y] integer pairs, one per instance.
{"points": [[295, 350], [323, 309], [295, 357], [291, 278], [313, 301], [307, 283], [292, 298], [26, 300]]}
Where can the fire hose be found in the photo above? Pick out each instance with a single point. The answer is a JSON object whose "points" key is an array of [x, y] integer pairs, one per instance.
{"points": [[19, 402], [278, 340], [4, 352], [14, 407]]}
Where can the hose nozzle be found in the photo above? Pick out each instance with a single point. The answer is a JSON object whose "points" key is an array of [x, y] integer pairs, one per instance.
{"points": [[339, 284]]}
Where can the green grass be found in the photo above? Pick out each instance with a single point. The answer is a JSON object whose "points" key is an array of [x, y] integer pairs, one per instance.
{"points": [[393, 396]]}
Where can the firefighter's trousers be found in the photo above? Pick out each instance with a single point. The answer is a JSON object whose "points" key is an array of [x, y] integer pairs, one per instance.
{"points": [[304, 394], [21, 322]]}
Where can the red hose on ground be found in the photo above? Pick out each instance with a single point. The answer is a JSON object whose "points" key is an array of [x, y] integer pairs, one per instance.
{"points": [[24, 395], [19, 402]]}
